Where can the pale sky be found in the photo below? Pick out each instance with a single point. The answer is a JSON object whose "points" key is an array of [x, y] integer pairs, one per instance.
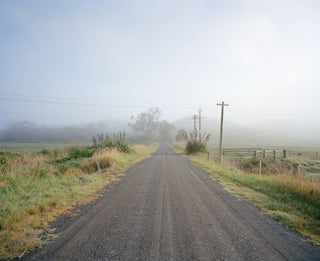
{"points": [[78, 61]]}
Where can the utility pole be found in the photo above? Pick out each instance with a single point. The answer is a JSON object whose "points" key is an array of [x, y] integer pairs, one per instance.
{"points": [[200, 110], [221, 129], [195, 122]]}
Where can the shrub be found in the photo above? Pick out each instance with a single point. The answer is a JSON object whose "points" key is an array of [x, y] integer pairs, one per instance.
{"points": [[6, 162], [59, 152], [194, 146], [195, 142], [117, 142], [46, 151], [81, 153]]}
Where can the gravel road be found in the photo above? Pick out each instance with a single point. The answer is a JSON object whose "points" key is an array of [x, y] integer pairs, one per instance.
{"points": [[165, 208]]}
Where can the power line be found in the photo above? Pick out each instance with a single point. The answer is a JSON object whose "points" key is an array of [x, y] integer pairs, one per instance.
{"points": [[19, 97], [88, 102]]}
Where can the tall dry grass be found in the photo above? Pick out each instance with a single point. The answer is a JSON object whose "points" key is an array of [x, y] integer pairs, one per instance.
{"points": [[293, 200], [36, 188], [104, 157]]}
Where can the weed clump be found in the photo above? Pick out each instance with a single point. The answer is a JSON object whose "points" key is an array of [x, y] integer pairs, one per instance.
{"points": [[57, 152], [91, 166], [194, 142], [118, 142]]}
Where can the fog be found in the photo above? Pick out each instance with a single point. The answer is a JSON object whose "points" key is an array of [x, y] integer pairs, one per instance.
{"points": [[74, 62]]}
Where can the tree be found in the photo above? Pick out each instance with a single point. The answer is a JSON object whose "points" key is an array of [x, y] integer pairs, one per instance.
{"points": [[181, 135], [165, 128], [146, 122]]}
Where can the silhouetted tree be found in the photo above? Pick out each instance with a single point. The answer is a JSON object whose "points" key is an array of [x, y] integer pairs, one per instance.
{"points": [[146, 122], [180, 135], [165, 128]]}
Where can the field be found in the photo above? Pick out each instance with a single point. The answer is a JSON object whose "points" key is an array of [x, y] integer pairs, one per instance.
{"points": [[293, 200], [307, 158], [36, 187], [29, 147]]}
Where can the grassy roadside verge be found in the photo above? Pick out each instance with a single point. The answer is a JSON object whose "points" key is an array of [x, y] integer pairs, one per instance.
{"points": [[36, 188], [293, 201]]}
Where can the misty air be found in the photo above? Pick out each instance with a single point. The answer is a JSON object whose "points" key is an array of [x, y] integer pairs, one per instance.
{"points": [[159, 130]]}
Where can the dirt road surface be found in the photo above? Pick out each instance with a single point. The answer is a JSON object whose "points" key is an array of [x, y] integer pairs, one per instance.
{"points": [[165, 208]]}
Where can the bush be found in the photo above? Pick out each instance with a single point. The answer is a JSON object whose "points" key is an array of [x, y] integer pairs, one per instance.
{"points": [[81, 153], [59, 152], [48, 152], [120, 145], [6, 161], [117, 142], [194, 146]]}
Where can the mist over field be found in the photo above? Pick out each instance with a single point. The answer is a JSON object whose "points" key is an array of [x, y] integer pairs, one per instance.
{"points": [[69, 69]]}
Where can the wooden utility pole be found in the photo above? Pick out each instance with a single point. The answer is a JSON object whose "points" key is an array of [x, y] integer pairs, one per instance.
{"points": [[195, 122], [200, 111], [221, 129]]}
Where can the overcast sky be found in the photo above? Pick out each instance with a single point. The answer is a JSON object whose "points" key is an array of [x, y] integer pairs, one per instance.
{"points": [[78, 61]]}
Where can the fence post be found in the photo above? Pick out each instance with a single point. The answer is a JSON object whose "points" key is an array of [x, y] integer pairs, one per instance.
{"points": [[255, 154], [98, 165], [260, 165], [232, 164], [264, 154], [274, 155], [284, 153], [208, 155], [296, 169]]}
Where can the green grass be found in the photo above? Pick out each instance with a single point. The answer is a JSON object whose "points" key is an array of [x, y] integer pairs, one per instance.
{"points": [[35, 188], [293, 201], [29, 147]]}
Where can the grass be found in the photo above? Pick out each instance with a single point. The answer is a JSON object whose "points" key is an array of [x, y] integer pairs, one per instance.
{"points": [[292, 200], [29, 147], [35, 188]]}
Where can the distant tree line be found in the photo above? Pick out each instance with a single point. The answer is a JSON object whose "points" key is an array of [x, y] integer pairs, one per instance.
{"points": [[30, 132], [145, 125]]}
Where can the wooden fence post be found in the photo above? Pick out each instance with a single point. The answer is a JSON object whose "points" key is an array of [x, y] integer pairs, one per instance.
{"points": [[233, 164], [264, 154], [274, 155], [208, 155], [255, 154], [284, 153], [296, 169], [260, 165]]}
